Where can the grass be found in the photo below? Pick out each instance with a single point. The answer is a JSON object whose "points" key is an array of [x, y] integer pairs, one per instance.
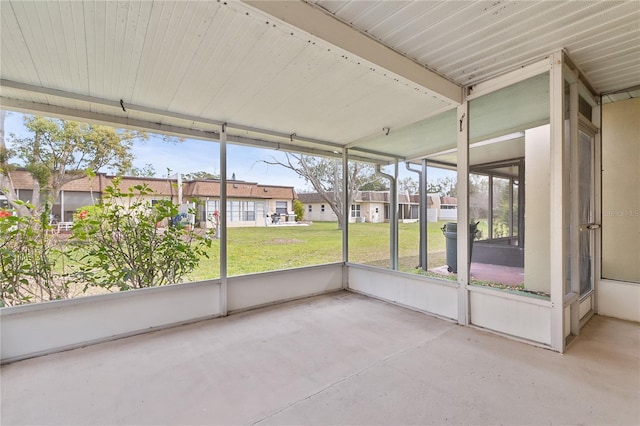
{"points": [[260, 249]]}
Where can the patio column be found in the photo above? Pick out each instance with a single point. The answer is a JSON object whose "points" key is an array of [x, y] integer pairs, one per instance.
{"points": [[559, 180], [393, 215], [463, 212], [345, 217], [223, 221], [422, 211]]}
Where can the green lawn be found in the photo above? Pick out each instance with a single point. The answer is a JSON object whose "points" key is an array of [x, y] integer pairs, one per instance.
{"points": [[260, 249]]}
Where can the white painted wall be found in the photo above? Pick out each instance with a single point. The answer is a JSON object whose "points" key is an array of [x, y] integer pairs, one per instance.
{"points": [[252, 291], [621, 190], [519, 316], [413, 291], [537, 209], [448, 214], [368, 211], [618, 299], [317, 215], [41, 328], [618, 292], [432, 215]]}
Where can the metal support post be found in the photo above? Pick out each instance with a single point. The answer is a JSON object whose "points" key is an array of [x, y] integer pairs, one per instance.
{"points": [[463, 213], [559, 181], [223, 221], [345, 217], [393, 215], [422, 213]]}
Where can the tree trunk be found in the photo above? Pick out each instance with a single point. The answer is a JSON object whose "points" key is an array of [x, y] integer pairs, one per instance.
{"points": [[6, 183]]}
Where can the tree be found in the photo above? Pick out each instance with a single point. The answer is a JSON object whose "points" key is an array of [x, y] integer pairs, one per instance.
{"points": [[61, 151], [378, 184], [325, 175], [145, 171], [447, 187], [6, 183], [298, 209], [201, 175], [408, 185]]}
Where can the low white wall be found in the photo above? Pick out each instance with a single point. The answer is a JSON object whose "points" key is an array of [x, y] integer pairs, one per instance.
{"points": [[432, 215], [41, 328], [619, 299], [448, 214], [252, 291], [518, 316], [413, 291]]}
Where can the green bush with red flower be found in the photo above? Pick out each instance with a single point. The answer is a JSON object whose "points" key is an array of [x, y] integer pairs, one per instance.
{"points": [[118, 244], [27, 257]]}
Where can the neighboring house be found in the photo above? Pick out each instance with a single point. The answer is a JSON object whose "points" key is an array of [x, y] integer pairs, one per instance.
{"points": [[248, 203], [316, 208], [367, 206], [373, 207], [441, 208]]}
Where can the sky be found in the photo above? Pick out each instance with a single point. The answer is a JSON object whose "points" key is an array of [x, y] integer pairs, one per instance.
{"points": [[192, 155]]}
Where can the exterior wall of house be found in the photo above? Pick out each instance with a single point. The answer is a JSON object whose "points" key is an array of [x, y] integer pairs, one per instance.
{"points": [[433, 209], [243, 212], [252, 204], [618, 293], [372, 212], [315, 212]]}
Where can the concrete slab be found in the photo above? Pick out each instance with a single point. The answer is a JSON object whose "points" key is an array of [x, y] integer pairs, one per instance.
{"points": [[334, 359]]}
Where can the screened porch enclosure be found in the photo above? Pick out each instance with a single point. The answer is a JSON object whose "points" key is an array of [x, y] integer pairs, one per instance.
{"points": [[521, 134]]}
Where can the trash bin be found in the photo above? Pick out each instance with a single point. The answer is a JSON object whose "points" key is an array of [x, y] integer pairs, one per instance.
{"points": [[450, 231]]}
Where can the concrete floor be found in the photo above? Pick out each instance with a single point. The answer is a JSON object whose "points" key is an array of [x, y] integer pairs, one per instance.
{"points": [[335, 359]]}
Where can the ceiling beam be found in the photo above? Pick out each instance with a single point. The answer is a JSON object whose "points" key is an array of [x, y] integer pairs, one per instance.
{"points": [[116, 120], [327, 27]]}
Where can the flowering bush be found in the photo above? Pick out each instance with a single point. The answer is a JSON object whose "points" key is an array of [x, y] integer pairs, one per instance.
{"points": [[27, 253], [120, 245]]}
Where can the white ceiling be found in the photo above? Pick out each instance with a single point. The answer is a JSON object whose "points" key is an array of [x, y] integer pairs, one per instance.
{"points": [[471, 41], [189, 66]]}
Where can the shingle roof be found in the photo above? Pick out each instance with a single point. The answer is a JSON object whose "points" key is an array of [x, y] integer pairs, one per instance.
{"points": [[360, 197], [162, 186], [312, 197]]}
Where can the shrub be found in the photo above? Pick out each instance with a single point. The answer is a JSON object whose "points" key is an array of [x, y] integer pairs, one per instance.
{"points": [[27, 253], [121, 246], [298, 209]]}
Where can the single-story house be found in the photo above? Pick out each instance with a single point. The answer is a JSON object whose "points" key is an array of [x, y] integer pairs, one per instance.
{"points": [[373, 207], [248, 203], [368, 206]]}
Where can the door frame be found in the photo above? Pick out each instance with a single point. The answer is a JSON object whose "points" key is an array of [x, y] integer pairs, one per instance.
{"points": [[582, 307]]}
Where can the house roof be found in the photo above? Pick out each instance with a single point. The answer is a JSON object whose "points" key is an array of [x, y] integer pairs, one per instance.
{"points": [[161, 186], [359, 197], [312, 197], [238, 189]]}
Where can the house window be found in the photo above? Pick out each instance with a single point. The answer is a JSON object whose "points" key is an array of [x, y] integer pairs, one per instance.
{"points": [[310, 208], [281, 207], [241, 211], [248, 211], [322, 208], [355, 210]]}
